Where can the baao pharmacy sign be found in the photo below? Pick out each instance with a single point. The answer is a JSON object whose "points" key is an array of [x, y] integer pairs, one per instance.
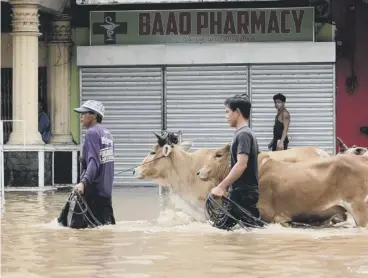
{"points": [[202, 26]]}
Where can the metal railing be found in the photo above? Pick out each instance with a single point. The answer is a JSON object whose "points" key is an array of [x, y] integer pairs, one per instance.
{"points": [[41, 150]]}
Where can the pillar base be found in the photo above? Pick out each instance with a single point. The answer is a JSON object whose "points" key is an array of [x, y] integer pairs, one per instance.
{"points": [[61, 139], [18, 138]]}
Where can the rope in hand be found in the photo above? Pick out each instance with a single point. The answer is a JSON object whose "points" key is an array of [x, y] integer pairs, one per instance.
{"points": [[219, 216], [81, 202]]}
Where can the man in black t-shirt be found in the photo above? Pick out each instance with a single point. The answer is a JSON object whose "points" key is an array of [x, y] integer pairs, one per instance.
{"points": [[243, 177]]}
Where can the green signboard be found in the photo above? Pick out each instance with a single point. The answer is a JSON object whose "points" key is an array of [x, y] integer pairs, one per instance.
{"points": [[202, 26]]}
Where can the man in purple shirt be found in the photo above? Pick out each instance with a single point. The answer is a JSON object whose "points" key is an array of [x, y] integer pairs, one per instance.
{"points": [[97, 163]]}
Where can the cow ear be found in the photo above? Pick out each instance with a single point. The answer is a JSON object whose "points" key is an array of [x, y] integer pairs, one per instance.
{"points": [[186, 145], [359, 151], [167, 150]]}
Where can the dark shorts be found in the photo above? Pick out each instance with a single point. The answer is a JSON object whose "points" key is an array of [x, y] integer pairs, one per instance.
{"points": [[246, 198], [274, 144], [101, 208], [88, 210]]}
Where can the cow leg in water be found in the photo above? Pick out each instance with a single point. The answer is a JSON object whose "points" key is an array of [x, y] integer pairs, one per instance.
{"points": [[359, 211], [283, 220], [336, 214], [323, 219], [324, 224]]}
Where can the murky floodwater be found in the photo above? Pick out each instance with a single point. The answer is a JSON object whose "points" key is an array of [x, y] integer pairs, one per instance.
{"points": [[152, 242]]}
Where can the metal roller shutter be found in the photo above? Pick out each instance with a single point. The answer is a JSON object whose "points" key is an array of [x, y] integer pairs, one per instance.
{"points": [[132, 98], [310, 99], [195, 98]]}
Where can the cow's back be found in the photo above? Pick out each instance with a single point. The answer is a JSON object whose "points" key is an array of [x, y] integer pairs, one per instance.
{"points": [[297, 154]]}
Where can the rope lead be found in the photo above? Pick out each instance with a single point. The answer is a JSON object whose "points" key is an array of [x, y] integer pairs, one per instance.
{"points": [[219, 216]]}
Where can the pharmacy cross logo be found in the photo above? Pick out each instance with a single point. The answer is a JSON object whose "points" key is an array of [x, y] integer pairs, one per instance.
{"points": [[110, 28]]}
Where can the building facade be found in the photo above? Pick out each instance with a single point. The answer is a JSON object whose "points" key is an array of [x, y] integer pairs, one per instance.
{"points": [[170, 67], [36, 41]]}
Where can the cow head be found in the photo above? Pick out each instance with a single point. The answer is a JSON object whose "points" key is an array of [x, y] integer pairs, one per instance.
{"points": [[158, 162], [343, 149], [217, 165]]}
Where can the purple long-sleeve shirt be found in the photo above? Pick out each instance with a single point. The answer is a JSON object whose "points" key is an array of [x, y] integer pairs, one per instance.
{"points": [[98, 160]]}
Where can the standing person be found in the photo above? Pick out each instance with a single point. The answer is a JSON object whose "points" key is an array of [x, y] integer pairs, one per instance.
{"points": [[243, 177], [97, 163], [44, 125], [280, 139]]}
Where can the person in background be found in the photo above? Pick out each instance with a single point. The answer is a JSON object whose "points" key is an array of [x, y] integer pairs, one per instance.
{"points": [[97, 163], [280, 139], [44, 125], [243, 177]]}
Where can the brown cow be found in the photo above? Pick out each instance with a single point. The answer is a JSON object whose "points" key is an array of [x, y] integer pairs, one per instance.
{"points": [[291, 190], [218, 166], [173, 167]]}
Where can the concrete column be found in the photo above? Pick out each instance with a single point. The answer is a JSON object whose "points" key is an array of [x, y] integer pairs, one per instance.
{"points": [[59, 58], [25, 72]]}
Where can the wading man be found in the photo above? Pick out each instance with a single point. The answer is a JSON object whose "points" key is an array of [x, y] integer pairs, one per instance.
{"points": [[243, 177], [97, 163], [280, 139]]}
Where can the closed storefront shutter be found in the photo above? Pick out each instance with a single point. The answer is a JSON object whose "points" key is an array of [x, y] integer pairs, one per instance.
{"points": [[132, 98], [309, 91], [195, 98]]}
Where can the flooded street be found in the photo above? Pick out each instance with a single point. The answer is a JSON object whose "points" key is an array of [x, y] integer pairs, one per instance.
{"points": [[149, 241]]}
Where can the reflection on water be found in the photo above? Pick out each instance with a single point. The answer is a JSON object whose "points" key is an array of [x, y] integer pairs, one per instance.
{"points": [[152, 242]]}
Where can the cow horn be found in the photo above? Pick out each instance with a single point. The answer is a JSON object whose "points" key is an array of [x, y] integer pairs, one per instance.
{"points": [[157, 135], [160, 139], [342, 145]]}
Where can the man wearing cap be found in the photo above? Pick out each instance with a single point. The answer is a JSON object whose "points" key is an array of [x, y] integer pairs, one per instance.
{"points": [[280, 139], [97, 163]]}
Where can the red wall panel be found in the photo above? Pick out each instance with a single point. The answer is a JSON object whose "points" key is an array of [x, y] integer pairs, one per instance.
{"points": [[352, 112]]}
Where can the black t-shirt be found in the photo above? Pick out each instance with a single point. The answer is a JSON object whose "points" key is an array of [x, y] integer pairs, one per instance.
{"points": [[245, 142]]}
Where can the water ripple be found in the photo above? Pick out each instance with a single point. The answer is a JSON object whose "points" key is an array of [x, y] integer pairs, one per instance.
{"points": [[150, 242]]}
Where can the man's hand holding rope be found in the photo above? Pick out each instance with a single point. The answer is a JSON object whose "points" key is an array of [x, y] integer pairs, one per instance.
{"points": [[79, 188]]}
